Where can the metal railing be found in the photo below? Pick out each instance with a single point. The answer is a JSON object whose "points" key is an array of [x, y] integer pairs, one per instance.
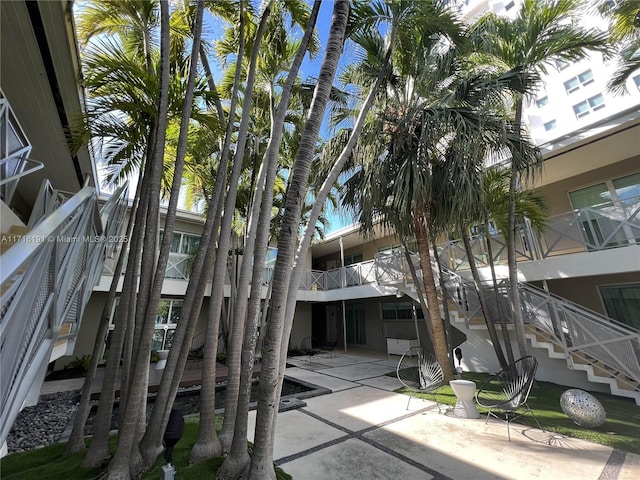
{"points": [[605, 226], [46, 280], [14, 152], [578, 330]]}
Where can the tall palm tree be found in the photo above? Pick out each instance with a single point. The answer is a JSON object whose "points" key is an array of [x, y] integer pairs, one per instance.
{"points": [[540, 33], [269, 394], [257, 241], [119, 466], [407, 24]]}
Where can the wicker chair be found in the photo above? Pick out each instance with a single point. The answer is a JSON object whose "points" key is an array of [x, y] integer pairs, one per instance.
{"points": [[505, 394], [419, 372]]}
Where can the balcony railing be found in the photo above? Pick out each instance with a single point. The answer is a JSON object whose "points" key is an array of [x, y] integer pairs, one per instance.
{"points": [[606, 226]]}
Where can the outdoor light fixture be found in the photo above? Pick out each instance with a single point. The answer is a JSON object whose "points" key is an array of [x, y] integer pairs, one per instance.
{"points": [[173, 433], [458, 353], [398, 293]]}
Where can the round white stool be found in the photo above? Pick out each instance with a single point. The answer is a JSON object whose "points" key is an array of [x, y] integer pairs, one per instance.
{"points": [[464, 391], [162, 359]]}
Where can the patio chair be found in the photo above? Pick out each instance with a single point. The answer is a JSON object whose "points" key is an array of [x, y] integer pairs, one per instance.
{"points": [[329, 345], [309, 347], [505, 394], [419, 372]]}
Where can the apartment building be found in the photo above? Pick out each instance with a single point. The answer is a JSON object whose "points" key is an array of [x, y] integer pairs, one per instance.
{"points": [[580, 278]]}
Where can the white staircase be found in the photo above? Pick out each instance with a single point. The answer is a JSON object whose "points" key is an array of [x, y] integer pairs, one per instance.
{"points": [[46, 278], [607, 351]]}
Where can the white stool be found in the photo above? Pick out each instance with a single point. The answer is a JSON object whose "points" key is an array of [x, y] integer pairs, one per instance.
{"points": [[464, 391], [162, 359]]}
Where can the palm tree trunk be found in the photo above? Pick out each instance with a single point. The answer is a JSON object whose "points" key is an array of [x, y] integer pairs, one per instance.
{"points": [[325, 189], [119, 467], [421, 232], [237, 333], [208, 443], [99, 448], [503, 323], [486, 311], [514, 288], [269, 396], [76, 439], [421, 298], [254, 258], [445, 301]]}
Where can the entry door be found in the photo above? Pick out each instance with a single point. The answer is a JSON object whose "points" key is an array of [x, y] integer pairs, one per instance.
{"points": [[356, 331]]}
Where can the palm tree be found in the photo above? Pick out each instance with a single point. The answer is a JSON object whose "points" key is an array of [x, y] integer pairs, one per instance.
{"points": [[262, 458], [119, 466], [407, 23], [625, 34], [540, 33], [255, 247]]}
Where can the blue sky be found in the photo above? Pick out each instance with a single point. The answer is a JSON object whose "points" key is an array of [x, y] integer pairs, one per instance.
{"points": [[309, 68]]}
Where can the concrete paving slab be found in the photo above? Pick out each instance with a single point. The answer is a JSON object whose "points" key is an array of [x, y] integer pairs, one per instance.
{"points": [[310, 376], [392, 363], [385, 383], [297, 432], [352, 459], [631, 467], [467, 448], [362, 407], [57, 386], [342, 360], [358, 371]]}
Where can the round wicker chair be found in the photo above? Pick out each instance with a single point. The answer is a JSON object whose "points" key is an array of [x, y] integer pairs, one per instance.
{"points": [[505, 394], [419, 372]]}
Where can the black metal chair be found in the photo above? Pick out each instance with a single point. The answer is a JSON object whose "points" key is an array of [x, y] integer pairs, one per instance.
{"points": [[419, 372], [506, 393], [309, 347], [329, 345]]}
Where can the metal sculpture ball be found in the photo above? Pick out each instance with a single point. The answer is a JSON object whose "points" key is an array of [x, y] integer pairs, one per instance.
{"points": [[582, 408]]}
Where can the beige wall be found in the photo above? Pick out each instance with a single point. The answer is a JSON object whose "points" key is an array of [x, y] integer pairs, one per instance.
{"points": [[584, 290], [557, 194]]}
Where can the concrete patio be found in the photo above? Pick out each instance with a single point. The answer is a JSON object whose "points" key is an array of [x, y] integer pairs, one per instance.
{"points": [[362, 430]]}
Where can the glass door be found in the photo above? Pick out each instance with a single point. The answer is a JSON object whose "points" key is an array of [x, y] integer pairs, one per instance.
{"points": [[356, 329]]}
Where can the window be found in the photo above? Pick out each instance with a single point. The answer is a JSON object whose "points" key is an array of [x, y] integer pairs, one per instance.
{"points": [[575, 83], [584, 108], [603, 209], [183, 247], [636, 80], [622, 303], [561, 64], [399, 310], [541, 102], [550, 125], [168, 316], [353, 258], [509, 6]]}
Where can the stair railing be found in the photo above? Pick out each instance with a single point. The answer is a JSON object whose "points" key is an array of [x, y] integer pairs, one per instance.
{"points": [[46, 280], [577, 329]]}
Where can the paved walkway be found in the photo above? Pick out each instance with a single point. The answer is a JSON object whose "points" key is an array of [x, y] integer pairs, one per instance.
{"points": [[362, 430]]}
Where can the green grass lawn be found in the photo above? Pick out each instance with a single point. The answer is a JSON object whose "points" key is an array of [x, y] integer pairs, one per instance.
{"points": [[621, 430], [48, 463]]}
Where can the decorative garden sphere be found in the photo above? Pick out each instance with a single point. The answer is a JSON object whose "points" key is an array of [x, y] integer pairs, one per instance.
{"points": [[583, 408]]}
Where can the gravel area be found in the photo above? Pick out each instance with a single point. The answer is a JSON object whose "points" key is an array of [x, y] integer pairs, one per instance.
{"points": [[43, 423]]}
